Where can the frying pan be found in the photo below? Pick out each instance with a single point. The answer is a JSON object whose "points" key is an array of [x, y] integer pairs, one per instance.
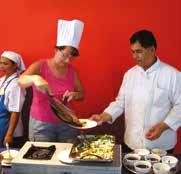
{"points": [[62, 111]]}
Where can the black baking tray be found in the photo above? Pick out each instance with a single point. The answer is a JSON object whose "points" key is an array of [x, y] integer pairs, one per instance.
{"points": [[40, 153]]}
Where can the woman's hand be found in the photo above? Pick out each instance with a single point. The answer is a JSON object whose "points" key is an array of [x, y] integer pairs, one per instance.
{"points": [[40, 83], [69, 95], [27, 80]]}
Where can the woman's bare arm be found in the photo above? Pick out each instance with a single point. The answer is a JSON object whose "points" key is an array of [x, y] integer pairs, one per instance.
{"points": [[31, 76]]}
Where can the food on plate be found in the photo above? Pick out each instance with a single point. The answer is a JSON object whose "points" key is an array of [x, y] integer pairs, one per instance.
{"points": [[8, 156], [85, 124], [91, 148]]}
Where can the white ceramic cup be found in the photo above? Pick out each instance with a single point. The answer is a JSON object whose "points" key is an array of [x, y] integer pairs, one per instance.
{"points": [[153, 158], [170, 160], [161, 168], [142, 152], [131, 158], [142, 166]]}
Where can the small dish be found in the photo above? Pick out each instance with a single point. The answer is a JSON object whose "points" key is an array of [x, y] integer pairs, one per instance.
{"points": [[142, 166], [160, 152], [6, 160], [63, 157], [142, 152], [86, 124], [153, 158], [170, 160], [5, 164], [131, 158], [161, 168]]}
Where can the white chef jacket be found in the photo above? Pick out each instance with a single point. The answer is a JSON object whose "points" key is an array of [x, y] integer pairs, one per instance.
{"points": [[147, 98], [14, 99]]}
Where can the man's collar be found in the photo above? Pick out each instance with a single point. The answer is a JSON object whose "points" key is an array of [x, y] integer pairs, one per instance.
{"points": [[154, 67], [151, 69]]}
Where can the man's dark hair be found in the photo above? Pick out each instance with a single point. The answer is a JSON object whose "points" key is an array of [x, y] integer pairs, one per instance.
{"points": [[145, 38], [74, 52]]}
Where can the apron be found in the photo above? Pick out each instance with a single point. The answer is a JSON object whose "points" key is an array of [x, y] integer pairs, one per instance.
{"points": [[4, 113]]}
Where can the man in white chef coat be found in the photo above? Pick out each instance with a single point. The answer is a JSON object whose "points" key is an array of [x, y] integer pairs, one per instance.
{"points": [[149, 97]]}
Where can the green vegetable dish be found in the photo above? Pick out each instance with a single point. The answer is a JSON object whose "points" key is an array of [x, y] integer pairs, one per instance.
{"points": [[94, 148]]}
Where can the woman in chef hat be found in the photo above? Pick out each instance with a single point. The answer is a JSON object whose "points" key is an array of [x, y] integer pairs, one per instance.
{"points": [[58, 76], [11, 97]]}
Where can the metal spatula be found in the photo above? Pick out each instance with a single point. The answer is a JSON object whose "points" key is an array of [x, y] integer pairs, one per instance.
{"points": [[9, 154]]}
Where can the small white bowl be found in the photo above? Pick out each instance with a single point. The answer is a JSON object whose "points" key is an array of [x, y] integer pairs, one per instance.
{"points": [[142, 166], [153, 158], [161, 168], [142, 152], [131, 158], [160, 152], [170, 160], [6, 158]]}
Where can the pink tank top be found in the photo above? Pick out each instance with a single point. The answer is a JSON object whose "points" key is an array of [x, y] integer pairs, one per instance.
{"points": [[40, 108]]}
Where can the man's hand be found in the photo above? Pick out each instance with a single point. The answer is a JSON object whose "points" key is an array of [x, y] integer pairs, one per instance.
{"points": [[156, 131], [101, 118]]}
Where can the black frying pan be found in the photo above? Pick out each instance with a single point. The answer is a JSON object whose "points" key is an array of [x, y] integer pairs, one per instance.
{"points": [[62, 111]]}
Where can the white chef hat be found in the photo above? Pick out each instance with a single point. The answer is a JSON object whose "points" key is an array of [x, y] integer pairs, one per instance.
{"points": [[15, 57], [69, 33]]}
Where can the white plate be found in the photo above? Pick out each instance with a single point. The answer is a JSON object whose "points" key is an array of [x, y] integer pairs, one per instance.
{"points": [[63, 157], [5, 164], [87, 124], [13, 153]]}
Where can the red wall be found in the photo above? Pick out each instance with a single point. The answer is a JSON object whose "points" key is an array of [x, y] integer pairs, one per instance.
{"points": [[29, 27]]}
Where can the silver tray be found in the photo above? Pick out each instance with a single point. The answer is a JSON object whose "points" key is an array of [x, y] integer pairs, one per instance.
{"points": [[132, 169]]}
